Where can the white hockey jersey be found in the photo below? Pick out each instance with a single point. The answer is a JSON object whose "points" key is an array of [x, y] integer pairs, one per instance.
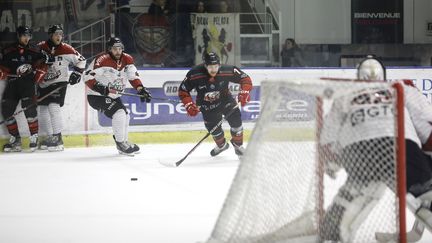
{"points": [[420, 112], [363, 115], [116, 73], [64, 56]]}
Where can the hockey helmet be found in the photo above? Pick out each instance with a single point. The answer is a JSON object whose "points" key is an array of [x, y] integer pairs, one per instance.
{"points": [[211, 58], [24, 30], [371, 68], [114, 42], [55, 28]]}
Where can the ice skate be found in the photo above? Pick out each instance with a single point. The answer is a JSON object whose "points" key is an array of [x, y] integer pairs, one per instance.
{"points": [[135, 147], [239, 150], [14, 144], [33, 142], [421, 206], [55, 143], [122, 148], [43, 145], [126, 148], [217, 150]]}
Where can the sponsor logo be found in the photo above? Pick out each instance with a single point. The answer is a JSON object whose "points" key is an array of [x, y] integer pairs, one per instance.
{"points": [[377, 15], [368, 113]]}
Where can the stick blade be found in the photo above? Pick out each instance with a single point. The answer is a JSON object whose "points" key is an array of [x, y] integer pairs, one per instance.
{"points": [[168, 163]]}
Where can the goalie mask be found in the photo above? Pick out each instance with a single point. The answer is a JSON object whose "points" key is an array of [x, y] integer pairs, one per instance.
{"points": [[371, 68]]}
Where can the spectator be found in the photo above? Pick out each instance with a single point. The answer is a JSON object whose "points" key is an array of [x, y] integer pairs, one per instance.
{"points": [[292, 55], [223, 6], [157, 8], [200, 8]]}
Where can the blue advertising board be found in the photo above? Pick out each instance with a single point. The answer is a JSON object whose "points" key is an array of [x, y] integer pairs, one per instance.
{"points": [[161, 112]]}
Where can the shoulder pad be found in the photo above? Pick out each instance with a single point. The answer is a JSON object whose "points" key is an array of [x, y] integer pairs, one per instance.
{"points": [[66, 48], [128, 58]]}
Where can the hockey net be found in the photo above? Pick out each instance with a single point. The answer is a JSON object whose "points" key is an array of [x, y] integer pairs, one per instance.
{"points": [[281, 191]]}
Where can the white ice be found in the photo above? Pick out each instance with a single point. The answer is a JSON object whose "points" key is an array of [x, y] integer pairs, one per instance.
{"points": [[85, 195]]}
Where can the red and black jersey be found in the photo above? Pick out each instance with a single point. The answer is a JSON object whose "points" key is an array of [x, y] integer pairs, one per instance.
{"points": [[212, 91], [15, 56]]}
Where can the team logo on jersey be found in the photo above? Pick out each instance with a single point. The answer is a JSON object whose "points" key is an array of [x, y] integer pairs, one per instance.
{"points": [[212, 96], [52, 74], [24, 69], [212, 86]]}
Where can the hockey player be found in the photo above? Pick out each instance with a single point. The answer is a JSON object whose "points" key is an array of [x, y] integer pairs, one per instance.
{"points": [[214, 99], [363, 151], [25, 65], [63, 55], [106, 77]]}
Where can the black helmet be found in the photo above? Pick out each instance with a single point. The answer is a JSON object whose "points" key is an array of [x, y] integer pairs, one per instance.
{"points": [[211, 58], [53, 28], [24, 30], [114, 42]]}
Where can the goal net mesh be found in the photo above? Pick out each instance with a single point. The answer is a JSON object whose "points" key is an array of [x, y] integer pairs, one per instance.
{"points": [[282, 191]]}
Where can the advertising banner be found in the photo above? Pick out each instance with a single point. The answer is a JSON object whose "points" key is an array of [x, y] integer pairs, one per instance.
{"points": [[159, 112], [377, 21]]}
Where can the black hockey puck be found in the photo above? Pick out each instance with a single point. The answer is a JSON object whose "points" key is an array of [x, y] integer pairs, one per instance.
{"points": [[134, 179]]}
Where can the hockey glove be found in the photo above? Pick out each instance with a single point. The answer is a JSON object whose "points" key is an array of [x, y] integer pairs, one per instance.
{"points": [[74, 78], [243, 97], [105, 90], [145, 94], [49, 59], [192, 109]]}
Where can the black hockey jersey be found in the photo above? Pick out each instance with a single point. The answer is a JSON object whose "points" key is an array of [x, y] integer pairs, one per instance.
{"points": [[212, 92], [15, 57]]}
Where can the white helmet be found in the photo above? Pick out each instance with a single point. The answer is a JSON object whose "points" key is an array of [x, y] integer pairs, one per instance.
{"points": [[371, 68]]}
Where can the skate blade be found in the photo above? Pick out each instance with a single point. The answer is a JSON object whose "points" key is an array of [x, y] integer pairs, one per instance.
{"points": [[56, 148], [130, 154], [15, 150]]}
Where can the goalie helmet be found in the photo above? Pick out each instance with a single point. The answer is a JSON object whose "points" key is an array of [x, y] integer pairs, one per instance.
{"points": [[211, 58], [24, 30], [55, 28], [371, 68], [114, 42]]}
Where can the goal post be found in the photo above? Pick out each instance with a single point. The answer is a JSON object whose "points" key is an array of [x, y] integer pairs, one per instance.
{"points": [[282, 191]]}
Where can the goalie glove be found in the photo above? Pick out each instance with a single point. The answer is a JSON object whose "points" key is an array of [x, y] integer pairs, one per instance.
{"points": [[192, 109], [74, 78], [243, 97], [144, 93]]}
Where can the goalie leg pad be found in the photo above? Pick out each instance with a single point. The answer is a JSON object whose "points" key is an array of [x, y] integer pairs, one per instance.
{"points": [[349, 209]]}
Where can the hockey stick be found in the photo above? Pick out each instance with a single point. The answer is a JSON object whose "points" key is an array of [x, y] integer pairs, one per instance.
{"points": [[414, 235], [153, 98], [176, 164], [33, 104]]}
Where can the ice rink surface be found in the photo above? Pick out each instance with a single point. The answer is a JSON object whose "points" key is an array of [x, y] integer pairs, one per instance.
{"points": [[86, 195]]}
